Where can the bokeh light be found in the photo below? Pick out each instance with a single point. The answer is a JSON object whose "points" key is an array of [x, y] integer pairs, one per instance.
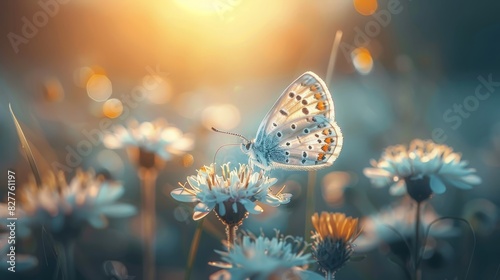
{"points": [[362, 60], [366, 7], [112, 108], [187, 160], [158, 90], [223, 117], [333, 187], [53, 90], [99, 87]]}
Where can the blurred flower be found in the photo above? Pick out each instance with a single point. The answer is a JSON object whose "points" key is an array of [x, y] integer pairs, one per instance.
{"points": [[263, 258], [393, 223], [332, 247], [482, 215], [232, 194], [65, 209], [21, 262], [424, 168], [149, 139], [116, 270]]}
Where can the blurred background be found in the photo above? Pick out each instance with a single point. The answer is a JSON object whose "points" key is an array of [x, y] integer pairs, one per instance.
{"points": [[405, 69]]}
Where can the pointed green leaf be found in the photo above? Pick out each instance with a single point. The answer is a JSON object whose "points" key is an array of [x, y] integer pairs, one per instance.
{"points": [[27, 149]]}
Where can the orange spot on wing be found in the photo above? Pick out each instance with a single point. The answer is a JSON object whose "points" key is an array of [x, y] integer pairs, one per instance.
{"points": [[321, 156], [313, 88], [325, 148], [321, 106], [327, 131], [317, 96], [328, 140]]}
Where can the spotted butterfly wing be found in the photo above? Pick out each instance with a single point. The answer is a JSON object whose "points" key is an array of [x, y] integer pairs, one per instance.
{"points": [[299, 132]]}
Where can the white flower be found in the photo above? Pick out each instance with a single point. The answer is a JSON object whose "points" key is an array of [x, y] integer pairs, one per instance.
{"points": [[423, 159], [390, 224], [64, 209], [264, 258], [157, 137], [233, 188]]}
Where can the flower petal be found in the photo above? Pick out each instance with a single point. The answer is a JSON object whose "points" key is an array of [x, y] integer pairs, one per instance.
{"points": [[437, 186], [118, 210], [180, 194], [97, 221], [398, 188], [199, 215]]}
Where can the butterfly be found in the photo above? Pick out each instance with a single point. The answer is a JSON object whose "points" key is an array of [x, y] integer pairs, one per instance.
{"points": [[299, 132]]}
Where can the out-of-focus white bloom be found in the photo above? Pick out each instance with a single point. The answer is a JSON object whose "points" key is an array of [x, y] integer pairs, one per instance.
{"points": [[262, 258], [393, 223], [64, 209], [436, 164], [233, 192], [157, 137]]}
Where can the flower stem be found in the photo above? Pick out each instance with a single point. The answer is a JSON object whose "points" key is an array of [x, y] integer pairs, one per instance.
{"points": [[311, 182], [194, 249], [148, 182], [416, 258], [333, 57], [66, 259], [330, 275], [231, 235]]}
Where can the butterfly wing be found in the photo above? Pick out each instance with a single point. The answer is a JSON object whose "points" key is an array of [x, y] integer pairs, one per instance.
{"points": [[301, 127]]}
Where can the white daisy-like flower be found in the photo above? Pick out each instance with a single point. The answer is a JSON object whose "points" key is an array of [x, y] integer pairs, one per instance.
{"points": [[394, 223], [262, 258], [232, 194], [424, 164], [156, 137], [11, 259], [64, 209]]}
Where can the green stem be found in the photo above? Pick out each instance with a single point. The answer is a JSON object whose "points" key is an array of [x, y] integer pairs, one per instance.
{"points": [[148, 182], [231, 235], [311, 182], [330, 275], [194, 249], [416, 258], [333, 57], [66, 259]]}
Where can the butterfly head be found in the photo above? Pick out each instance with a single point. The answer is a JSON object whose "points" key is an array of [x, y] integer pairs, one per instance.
{"points": [[246, 146]]}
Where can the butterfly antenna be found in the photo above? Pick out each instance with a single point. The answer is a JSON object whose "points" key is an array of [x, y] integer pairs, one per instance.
{"points": [[230, 133], [223, 147]]}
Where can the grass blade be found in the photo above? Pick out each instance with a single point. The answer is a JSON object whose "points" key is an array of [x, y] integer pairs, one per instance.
{"points": [[27, 149]]}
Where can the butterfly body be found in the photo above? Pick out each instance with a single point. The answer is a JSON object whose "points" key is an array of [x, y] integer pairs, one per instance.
{"points": [[299, 132]]}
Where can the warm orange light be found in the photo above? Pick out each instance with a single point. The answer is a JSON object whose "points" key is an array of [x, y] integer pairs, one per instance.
{"points": [[362, 60], [187, 160], [224, 116], [365, 7], [99, 87], [196, 5], [112, 108], [159, 90], [334, 184], [53, 90]]}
